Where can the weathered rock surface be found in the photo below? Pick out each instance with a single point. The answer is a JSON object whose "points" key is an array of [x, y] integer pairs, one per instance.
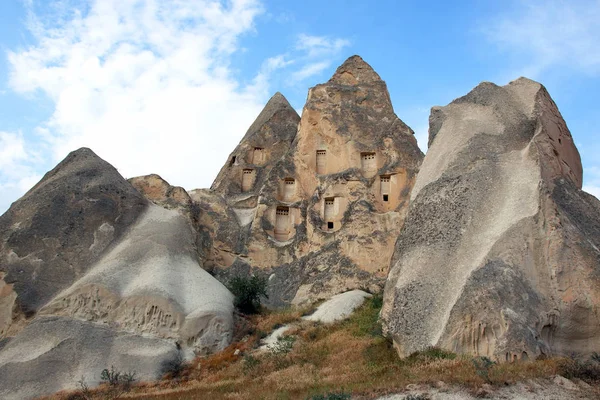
{"points": [[558, 388], [134, 296], [151, 283], [157, 190], [500, 251], [331, 207], [265, 142], [54, 353], [51, 236]]}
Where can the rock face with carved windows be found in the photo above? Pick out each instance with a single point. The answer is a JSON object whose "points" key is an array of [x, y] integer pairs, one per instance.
{"points": [[326, 213]]}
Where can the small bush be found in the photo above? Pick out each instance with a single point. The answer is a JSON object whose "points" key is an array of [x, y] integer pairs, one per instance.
{"points": [[588, 371], [283, 346], [250, 363], [431, 353], [117, 378], [174, 367], [482, 367], [365, 320], [248, 292]]}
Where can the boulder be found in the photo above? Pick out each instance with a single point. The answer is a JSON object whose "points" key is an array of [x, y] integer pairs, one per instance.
{"points": [[499, 255]]}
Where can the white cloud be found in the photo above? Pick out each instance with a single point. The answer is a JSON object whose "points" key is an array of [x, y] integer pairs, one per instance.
{"points": [[145, 84], [592, 181], [593, 190], [310, 70], [316, 46], [12, 150], [16, 168], [545, 34]]}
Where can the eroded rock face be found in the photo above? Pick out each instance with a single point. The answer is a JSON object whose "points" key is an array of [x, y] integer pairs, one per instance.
{"points": [[160, 192], [331, 207], [136, 295], [51, 236], [152, 283], [500, 252], [265, 142]]}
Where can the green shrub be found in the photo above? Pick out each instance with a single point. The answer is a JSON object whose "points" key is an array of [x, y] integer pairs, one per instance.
{"points": [[172, 368], [365, 320], [283, 345], [248, 292], [250, 363], [431, 353], [588, 371], [482, 367], [117, 378]]}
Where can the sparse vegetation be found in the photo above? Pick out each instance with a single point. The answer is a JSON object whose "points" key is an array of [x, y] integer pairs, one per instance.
{"points": [[172, 369], [283, 345], [113, 377], [332, 360], [483, 366], [115, 384], [587, 370], [248, 292]]}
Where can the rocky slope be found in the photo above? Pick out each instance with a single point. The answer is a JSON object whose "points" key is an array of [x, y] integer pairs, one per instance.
{"points": [[500, 252]]}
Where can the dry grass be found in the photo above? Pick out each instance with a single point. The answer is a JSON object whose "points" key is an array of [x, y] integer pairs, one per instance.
{"points": [[350, 356]]}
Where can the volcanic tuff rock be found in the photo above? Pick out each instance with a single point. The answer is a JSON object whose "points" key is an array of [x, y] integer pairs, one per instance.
{"points": [[499, 255], [265, 142], [54, 233], [133, 282], [330, 208]]}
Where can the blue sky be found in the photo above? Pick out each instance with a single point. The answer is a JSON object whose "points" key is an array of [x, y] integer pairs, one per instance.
{"points": [[170, 87]]}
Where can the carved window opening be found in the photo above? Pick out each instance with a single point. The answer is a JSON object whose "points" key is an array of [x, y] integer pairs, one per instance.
{"points": [[247, 179], [368, 162], [329, 212], [232, 162], [282, 223], [385, 187], [321, 161], [258, 156], [289, 189]]}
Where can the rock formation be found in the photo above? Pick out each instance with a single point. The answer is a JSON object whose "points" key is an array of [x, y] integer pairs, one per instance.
{"points": [[499, 255], [330, 208], [95, 276], [491, 246], [52, 235]]}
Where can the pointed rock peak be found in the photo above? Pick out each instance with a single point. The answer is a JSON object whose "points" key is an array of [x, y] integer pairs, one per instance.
{"points": [[275, 104], [278, 99], [355, 71], [82, 163]]}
